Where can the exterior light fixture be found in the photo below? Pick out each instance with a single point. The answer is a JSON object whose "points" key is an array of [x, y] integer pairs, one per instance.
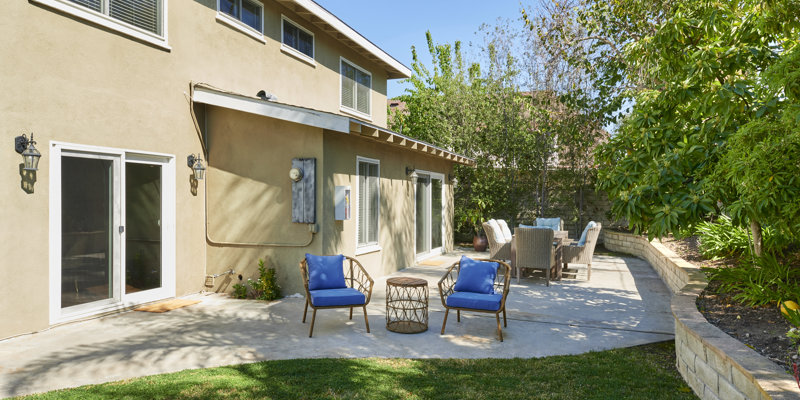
{"points": [[30, 155], [412, 174], [196, 164], [453, 179]]}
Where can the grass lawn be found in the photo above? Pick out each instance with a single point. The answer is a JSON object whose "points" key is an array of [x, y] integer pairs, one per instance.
{"points": [[642, 372]]}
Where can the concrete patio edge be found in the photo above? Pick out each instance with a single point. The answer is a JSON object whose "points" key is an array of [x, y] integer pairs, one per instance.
{"points": [[715, 365]]}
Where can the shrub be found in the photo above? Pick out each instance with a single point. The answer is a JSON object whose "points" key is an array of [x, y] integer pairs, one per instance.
{"points": [[724, 239], [239, 291], [763, 282], [266, 287]]}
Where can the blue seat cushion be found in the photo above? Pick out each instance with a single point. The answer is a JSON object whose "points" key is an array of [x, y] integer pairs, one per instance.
{"points": [[478, 301], [552, 223], [325, 272], [337, 297], [476, 276]]}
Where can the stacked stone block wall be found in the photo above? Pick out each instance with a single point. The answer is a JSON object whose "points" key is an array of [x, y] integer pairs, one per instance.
{"points": [[715, 365]]}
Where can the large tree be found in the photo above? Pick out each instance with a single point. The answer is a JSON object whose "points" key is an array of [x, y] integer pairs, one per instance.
{"points": [[692, 74]]}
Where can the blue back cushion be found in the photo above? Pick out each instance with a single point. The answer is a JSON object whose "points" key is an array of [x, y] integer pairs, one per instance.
{"points": [[582, 240], [325, 272], [552, 223], [476, 276]]}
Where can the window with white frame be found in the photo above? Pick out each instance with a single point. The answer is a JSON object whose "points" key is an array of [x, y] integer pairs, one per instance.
{"points": [[297, 38], [143, 14], [356, 88], [248, 12], [368, 202]]}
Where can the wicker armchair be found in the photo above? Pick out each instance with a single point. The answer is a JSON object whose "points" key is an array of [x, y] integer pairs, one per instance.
{"points": [[501, 284], [357, 292], [577, 254], [533, 248], [497, 250]]}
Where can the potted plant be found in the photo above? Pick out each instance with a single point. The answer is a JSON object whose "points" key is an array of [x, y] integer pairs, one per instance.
{"points": [[475, 218]]}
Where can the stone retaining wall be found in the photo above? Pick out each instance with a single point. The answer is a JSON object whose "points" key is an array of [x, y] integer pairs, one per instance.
{"points": [[715, 365]]}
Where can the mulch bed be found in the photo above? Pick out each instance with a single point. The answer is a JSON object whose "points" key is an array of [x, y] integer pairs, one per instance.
{"points": [[761, 328]]}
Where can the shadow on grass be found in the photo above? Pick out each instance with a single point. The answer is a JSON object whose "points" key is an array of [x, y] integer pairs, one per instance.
{"points": [[642, 372]]}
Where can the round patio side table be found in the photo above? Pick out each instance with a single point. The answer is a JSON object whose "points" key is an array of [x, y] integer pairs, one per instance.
{"points": [[406, 305]]}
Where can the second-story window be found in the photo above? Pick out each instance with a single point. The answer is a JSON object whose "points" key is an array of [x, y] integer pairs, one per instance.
{"points": [[249, 12], [297, 38], [143, 14], [356, 88]]}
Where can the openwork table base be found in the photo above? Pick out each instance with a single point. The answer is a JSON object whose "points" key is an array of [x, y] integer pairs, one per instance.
{"points": [[406, 305]]}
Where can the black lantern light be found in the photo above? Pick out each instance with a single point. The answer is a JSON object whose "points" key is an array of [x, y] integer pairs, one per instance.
{"points": [[196, 164], [30, 156]]}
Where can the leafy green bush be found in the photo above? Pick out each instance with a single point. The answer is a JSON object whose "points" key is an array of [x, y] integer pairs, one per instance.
{"points": [[724, 239], [764, 282], [239, 291], [266, 287]]}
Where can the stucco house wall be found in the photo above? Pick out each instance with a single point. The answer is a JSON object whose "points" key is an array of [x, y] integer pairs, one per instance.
{"points": [[70, 80]]}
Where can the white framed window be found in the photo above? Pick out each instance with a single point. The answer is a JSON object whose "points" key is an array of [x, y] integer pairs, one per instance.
{"points": [[368, 203], [356, 89], [296, 40], [244, 15], [141, 19]]}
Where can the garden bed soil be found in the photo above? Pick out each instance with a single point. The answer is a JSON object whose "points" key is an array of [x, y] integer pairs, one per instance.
{"points": [[761, 328]]}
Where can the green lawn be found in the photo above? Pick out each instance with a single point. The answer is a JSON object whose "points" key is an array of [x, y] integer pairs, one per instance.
{"points": [[643, 372]]}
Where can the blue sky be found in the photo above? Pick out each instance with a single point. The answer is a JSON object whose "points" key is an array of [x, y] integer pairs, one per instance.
{"points": [[397, 25]]}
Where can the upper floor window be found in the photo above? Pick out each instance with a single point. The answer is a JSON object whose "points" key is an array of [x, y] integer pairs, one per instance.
{"points": [[140, 19], [297, 39], [248, 12], [143, 14], [356, 88]]}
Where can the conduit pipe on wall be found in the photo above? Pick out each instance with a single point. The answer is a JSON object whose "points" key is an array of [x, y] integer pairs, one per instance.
{"points": [[218, 243]]}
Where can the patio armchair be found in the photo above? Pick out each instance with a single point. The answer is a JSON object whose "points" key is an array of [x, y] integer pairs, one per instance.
{"points": [[479, 285], [533, 248], [582, 251], [334, 282], [499, 245]]}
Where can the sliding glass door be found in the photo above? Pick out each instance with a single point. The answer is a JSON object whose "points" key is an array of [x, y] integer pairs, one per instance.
{"points": [[108, 231], [429, 210]]}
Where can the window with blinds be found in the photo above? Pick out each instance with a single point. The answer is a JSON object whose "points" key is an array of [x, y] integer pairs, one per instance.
{"points": [[356, 88], [298, 38], [143, 14], [247, 11], [368, 202]]}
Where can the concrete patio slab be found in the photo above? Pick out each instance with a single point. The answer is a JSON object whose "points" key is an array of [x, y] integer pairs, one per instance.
{"points": [[625, 304]]}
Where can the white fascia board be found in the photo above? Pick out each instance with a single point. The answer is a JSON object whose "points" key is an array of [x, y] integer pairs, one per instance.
{"points": [[264, 108], [351, 34]]}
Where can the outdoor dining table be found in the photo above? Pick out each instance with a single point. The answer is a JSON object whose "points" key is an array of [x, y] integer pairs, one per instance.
{"points": [[557, 243]]}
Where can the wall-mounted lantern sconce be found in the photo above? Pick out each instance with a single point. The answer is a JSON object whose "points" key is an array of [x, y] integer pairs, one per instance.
{"points": [[30, 155], [412, 174], [453, 179], [196, 164]]}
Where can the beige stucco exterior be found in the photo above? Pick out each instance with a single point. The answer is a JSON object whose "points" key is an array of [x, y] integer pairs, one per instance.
{"points": [[71, 81]]}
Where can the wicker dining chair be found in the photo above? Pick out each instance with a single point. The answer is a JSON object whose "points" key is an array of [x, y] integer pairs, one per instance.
{"points": [[533, 248], [498, 250], [582, 252], [492, 300], [354, 291]]}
